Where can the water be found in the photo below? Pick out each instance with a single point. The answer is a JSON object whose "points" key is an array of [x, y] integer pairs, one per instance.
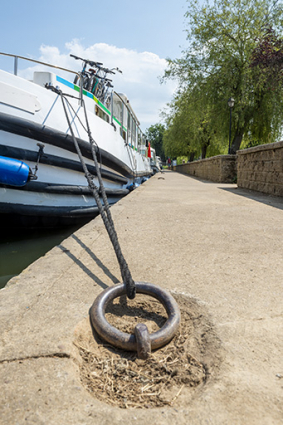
{"points": [[21, 247]]}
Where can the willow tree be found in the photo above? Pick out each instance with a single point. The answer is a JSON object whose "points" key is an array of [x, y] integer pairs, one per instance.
{"points": [[221, 40], [190, 125], [178, 134]]}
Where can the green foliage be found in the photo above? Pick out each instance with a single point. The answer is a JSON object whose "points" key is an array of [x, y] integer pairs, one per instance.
{"points": [[222, 38], [155, 135], [190, 125], [182, 160]]}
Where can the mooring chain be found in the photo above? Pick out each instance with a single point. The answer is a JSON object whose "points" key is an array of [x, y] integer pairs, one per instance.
{"points": [[103, 210]]}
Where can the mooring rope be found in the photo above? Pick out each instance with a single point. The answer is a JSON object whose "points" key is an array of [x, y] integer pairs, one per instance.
{"points": [[103, 210]]}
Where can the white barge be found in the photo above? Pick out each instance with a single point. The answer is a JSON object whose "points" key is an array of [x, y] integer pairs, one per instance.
{"points": [[41, 175]]}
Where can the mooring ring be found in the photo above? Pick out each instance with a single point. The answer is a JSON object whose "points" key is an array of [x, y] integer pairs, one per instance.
{"points": [[128, 341]]}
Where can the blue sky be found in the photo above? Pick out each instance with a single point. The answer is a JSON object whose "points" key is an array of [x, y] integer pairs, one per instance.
{"points": [[136, 35]]}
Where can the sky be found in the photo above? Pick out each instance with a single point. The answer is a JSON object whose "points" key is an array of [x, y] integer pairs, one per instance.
{"points": [[135, 35]]}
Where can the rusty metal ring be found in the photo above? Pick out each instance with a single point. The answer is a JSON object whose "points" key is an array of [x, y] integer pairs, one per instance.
{"points": [[128, 341]]}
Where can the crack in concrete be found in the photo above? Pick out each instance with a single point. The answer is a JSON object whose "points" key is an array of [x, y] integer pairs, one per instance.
{"points": [[42, 356], [252, 319]]}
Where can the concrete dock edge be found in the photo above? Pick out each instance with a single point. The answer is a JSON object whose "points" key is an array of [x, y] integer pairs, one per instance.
{"points": [[216, 243]]}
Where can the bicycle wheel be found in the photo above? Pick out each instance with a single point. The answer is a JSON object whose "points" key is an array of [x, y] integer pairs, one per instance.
{"points": [[89, 84], [99, 90], [86, 82], [95, 82]]}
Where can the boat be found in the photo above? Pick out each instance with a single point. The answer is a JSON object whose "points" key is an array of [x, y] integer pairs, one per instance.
{"points": [[150, 153], [154, 162], [42, 178]]}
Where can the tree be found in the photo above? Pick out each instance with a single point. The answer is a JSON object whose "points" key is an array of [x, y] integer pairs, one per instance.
{"points": [[267, 67], [267, 57], [177, 136], [222, 38], [155, 136], [190, 130]]}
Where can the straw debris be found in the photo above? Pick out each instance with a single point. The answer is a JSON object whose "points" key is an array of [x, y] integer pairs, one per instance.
{"points": [[118, 378]]}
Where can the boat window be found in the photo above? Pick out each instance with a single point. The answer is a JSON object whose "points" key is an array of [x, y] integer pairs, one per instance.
{"points": [[129, 129], [139, 133], [134, 134], [117, 109], [101, 114]]}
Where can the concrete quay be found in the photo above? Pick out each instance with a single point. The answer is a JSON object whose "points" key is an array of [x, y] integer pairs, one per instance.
{"points": [[216, 244]]}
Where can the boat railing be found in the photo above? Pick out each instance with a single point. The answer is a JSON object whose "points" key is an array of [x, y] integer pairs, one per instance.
{"points": [[129, 135], [17, 57]]}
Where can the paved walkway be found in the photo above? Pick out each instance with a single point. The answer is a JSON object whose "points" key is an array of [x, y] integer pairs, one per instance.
{"points": [[214, 242]]}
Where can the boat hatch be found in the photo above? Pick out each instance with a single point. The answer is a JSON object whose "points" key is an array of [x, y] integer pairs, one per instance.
{"points": [[18, 98]]}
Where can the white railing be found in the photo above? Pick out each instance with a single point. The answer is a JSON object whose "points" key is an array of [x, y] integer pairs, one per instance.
{"points": [[16, 58]]}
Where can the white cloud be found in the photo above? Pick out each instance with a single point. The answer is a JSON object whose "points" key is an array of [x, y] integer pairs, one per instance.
{"points": [[139, 80]]}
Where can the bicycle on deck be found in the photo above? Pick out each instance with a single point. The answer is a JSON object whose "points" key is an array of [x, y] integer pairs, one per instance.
{"points": [[95, 79], [86, 76]]}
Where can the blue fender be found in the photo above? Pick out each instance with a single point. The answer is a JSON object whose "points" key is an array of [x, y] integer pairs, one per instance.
{"points": [[13, 172]]}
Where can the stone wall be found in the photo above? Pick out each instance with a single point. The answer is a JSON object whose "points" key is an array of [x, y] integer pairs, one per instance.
{"points": [[220, 169], [261, 168]]}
